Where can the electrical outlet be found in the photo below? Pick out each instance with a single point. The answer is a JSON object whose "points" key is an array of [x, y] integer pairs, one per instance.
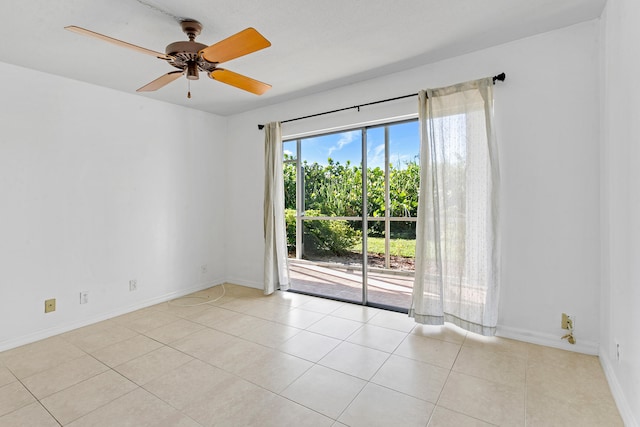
{"points": [[133, 285], [50, 305], [204, 268], [84, 297], [618, 352]]}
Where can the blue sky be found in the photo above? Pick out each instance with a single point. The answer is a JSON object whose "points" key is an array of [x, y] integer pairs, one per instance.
{"points": [[404, 146]]}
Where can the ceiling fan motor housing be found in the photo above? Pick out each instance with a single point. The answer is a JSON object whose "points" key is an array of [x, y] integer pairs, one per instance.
{"points": [[184, 54]]}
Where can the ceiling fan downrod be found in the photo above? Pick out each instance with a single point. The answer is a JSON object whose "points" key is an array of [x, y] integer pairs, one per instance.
{"points": [[191, 28]]}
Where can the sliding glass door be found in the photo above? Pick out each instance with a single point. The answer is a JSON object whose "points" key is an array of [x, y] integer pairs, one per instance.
{"points": [[350, 207], [323, 208], [393, 170]]}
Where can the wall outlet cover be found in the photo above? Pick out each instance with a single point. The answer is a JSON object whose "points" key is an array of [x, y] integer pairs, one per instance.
{"points": [[50, 305], [564, 323]]}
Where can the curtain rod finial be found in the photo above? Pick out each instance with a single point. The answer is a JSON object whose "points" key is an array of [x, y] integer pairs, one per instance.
{"points": [[500, 77], [260, 127]]}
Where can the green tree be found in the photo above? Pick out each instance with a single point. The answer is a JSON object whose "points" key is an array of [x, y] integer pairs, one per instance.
{"points": [[336, 190], [289, 174]]}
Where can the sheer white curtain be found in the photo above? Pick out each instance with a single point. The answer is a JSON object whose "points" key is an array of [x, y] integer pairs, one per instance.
{"points": [[457, 254], [276, 269]]}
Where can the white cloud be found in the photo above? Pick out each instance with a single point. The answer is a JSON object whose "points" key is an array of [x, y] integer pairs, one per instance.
{"points": [[347, 138], [376, 156]]}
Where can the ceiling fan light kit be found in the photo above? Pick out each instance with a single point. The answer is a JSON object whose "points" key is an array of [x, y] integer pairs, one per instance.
{"points": [[191, 57]]}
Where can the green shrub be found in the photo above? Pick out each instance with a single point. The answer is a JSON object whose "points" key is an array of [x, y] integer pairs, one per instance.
{"points": [[335, 236], [290, 221]]}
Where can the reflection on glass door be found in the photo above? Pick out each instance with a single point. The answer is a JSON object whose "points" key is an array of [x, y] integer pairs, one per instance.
{"points": [[351, 202]]}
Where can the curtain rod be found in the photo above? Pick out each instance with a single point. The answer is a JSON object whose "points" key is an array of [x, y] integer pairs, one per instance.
{"points": [[500, 77]]}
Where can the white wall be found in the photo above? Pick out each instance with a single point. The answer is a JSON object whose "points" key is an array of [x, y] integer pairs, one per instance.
{"points": [[547, 126], [98, 187], [621, 205]]}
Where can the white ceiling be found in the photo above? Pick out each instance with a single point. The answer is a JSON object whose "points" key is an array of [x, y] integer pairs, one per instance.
{"points": [[316, 45]]}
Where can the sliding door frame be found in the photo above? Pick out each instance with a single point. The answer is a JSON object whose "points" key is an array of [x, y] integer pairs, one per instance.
{"points": [[365, 218]]}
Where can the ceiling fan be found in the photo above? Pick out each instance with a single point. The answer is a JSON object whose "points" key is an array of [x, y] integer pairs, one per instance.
{"points": [[191, 57]]}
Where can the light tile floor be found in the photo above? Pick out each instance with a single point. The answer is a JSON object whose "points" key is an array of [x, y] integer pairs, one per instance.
{"points": [[293, 360]]}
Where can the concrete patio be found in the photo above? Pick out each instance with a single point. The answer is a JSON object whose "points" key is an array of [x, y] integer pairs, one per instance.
{"points": [[389, 288]]}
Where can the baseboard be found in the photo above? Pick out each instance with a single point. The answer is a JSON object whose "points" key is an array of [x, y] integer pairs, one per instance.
{"points": [[46, 333], [549, 340], [247, 283], [616, 390]]}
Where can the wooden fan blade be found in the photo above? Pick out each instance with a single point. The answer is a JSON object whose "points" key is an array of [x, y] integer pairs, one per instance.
{"points": [[160, 81], [117, 42], [239, 81], [239, 44]]}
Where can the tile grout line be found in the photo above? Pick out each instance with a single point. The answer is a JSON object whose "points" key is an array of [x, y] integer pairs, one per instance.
{"points": [[32, 395], [235, 374], [447, 380]]}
